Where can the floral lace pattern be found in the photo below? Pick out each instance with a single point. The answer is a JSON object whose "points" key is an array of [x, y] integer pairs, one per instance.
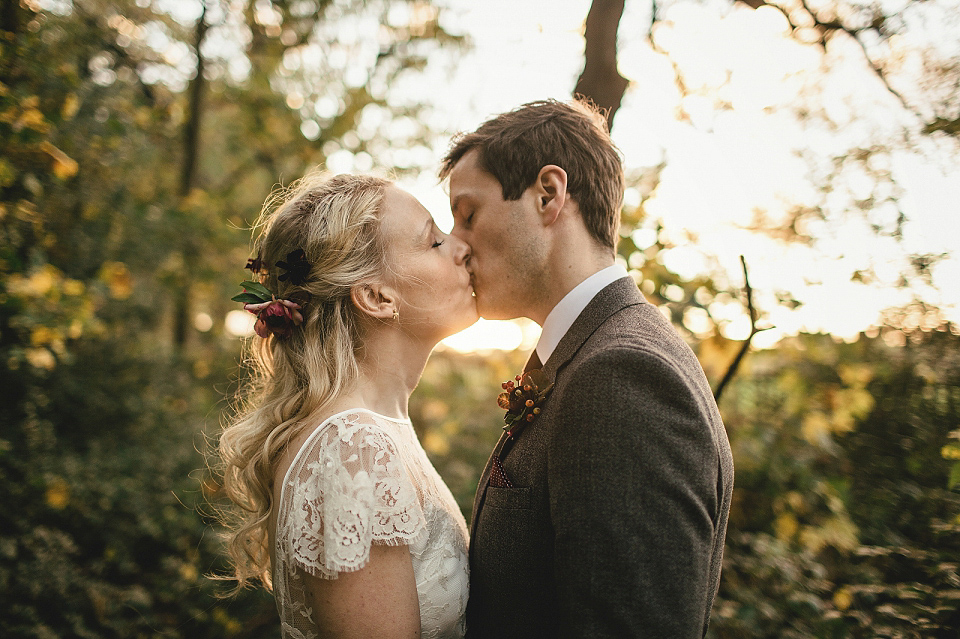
{"points": [[362, 478]]}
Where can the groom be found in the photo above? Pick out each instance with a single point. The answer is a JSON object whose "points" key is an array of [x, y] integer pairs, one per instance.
{"points": [[605, 515]]}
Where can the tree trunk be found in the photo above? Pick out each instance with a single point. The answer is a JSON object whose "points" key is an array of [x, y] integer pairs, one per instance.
{"points": [[600, 80], [191, 145]]}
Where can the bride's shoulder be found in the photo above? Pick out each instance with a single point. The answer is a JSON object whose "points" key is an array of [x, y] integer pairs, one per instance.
{"points": [[356, 418], [353, 427]]}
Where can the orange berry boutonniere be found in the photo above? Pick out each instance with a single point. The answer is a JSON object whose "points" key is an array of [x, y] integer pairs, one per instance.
{"points": [[522, 398]]}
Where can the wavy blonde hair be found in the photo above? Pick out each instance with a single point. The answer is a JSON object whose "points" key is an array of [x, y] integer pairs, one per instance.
{"points": [[336, 221]]}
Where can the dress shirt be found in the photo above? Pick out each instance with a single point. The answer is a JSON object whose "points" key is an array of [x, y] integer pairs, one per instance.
{"points": [[565, 313]]}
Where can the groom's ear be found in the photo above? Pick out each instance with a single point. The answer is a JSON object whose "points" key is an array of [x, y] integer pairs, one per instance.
{"points": [[551, 192], [375, 300]]}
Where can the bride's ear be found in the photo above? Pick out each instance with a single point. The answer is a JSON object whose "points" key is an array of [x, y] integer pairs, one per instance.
{"points": [[375, 300]]}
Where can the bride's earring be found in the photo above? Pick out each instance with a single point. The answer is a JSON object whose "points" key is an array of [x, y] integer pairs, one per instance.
{"points": [[396, 315]]}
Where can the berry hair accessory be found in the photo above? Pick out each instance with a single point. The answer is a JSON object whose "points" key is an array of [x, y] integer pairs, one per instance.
{"points": [[254, 264], [274, 317], [522, 399], [296, 266]]}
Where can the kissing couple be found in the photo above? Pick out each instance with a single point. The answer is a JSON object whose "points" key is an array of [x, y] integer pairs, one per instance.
{"points": [[603, 508]]}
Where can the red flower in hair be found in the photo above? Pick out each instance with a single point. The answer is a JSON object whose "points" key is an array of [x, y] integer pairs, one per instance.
{"points": [[276, 316]]}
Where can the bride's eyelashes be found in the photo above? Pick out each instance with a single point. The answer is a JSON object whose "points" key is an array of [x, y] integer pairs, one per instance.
{"points": [[438, 243]]}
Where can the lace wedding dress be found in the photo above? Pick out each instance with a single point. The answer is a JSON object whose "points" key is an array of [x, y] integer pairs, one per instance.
{"points": [[363, 478]]}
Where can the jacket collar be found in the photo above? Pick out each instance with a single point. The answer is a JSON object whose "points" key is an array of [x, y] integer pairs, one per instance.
{"points": [[614, 297]]}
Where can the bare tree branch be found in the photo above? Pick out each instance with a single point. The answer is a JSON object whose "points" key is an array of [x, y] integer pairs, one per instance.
{"points": [[735, 364], [827, 27]]}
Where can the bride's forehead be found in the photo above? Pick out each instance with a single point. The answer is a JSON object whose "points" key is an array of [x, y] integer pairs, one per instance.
{"points": [[402, 213]]}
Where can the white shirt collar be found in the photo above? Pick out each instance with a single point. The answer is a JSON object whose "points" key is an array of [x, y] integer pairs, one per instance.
{"points": [[565, 313]]}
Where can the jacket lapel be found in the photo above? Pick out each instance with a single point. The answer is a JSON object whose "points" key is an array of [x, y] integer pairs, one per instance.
{"points": [[532, 362]]}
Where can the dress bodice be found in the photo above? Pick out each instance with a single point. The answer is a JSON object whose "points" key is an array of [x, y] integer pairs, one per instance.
{"points": [[363, 478]]}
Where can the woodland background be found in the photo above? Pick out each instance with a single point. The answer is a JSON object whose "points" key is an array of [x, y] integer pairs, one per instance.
{"points": [[131, 162]]}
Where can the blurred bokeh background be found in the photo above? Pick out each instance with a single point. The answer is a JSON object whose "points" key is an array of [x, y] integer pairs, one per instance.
{"points": [[792, 206]]}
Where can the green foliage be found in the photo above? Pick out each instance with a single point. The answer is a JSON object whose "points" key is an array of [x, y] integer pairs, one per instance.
{"points": [[841, 508], [102, 533], [123, 197], [845, 521]]}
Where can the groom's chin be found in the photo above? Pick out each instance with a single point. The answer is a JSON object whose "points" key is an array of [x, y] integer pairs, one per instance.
{"points": [[497, 315], [490, 310]]}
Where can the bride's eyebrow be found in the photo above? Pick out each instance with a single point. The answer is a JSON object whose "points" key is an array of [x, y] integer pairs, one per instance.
{"points": [[427, 228]]}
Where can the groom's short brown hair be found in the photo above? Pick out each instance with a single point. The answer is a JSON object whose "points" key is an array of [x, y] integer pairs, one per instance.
{"points": [[515, 145]]}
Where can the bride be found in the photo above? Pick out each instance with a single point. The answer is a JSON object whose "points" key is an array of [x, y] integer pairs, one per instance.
{"points": [[341, 512]]}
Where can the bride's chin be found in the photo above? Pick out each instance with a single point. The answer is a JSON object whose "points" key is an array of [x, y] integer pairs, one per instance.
{"points": [[461, 323]]}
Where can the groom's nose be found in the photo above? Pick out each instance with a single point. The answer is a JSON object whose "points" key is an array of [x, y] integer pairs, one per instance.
{"points": [[461, 250]]}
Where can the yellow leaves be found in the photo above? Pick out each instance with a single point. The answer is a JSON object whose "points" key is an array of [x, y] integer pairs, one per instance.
{"points": [[842, 599], [785, 526], [856, 402], [43, 335], [41, 358], [434, 409], [836, 408], [857, 376], [230, 625], [436, 443], [54, 308], [437, 440], [117, 277], [31, 119], [26, 115], [795, 500], [75, 288], [7, 174], [201, 369], [815, 519], [58, 493], [196, 200], [70, 107], [815, 427], [188, 572], [951, 451], [36, 285], [838, 531], [64, 166]]}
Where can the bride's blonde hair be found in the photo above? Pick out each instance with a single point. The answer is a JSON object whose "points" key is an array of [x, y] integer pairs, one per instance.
{"points": [[336, 221]]}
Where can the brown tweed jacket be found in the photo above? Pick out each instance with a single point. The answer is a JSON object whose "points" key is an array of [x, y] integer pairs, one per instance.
{"points": [[612, 518]]}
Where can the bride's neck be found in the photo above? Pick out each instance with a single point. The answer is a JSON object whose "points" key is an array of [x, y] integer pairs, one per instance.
{"points": [[390, 369]]}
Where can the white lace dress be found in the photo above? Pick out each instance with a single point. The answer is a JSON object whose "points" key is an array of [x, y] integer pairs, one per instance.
{"points": [[362, 478]]}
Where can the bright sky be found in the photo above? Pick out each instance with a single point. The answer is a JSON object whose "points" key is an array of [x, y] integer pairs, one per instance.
{"points": [[722, 165]]}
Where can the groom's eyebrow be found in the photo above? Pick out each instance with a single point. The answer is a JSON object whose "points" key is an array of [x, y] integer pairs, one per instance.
{"points": [[456, 203]]}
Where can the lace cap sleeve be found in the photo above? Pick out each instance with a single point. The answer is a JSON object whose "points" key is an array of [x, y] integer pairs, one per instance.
{"points": [[348, 489]]}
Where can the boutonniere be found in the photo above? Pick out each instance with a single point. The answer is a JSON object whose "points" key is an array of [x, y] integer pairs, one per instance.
{"points": [[522, 398]]}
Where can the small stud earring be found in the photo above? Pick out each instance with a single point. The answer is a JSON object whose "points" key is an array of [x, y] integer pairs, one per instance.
{"points": [[396, 315]]}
